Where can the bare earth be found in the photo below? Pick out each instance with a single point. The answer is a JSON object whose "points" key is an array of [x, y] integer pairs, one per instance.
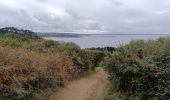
{"points": [[88, 88]]}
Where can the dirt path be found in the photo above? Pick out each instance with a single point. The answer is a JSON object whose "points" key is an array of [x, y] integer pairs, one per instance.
{"points": [[88, 88]]}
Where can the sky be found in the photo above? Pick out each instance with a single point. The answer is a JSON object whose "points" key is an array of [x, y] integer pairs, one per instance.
{"points": [[87, 16]]}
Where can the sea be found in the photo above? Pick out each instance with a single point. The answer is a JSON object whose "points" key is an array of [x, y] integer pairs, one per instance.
{"points": [[107, 40]]}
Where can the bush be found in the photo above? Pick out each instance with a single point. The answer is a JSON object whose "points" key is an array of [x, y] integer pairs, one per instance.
{"points": [[29, 66], [143, 69]]}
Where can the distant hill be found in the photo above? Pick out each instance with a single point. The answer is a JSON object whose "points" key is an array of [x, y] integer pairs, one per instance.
{"points": [[61, 35], [24, 33]]}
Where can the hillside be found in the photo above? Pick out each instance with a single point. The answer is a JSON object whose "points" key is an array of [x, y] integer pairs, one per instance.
{"points": [[23, 33], [31, 67]]}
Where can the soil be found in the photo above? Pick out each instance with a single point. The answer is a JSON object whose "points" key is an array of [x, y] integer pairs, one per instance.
{"points": [[87, 88]]}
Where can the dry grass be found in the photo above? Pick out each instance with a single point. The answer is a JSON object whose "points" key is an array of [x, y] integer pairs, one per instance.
{"points": [[31, 70], [28, 66]]}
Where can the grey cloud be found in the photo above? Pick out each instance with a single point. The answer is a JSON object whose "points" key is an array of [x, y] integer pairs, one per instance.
{"points": [[112, 16], [116, 2]]}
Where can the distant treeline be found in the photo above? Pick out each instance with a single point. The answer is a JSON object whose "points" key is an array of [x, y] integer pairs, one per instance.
{"points": [[109, 49], [24, 33]]}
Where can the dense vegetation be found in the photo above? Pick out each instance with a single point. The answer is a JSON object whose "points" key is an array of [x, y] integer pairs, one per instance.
{"points": [[21, 32], [104, 49], [29, 66], [140, 70]]}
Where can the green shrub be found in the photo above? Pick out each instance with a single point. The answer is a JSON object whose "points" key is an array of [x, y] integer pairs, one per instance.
{"points": [[143, 69]]}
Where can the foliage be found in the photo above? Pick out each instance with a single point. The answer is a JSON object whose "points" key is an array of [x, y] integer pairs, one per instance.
{"points": [[106, 49], [142, 68], [30, 66], [21, 32]]}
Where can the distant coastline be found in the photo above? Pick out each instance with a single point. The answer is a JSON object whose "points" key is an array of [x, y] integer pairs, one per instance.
{"points": [[77, 35]]}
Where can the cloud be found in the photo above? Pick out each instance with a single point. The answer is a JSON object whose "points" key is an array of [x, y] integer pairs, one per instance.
{"points": [[87, 16], [161, 12]]}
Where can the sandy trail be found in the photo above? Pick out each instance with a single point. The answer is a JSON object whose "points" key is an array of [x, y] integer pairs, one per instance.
{"points": [[88, 88]]}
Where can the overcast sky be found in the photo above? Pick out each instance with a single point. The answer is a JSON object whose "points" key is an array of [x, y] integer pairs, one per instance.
{"points": [[87, 16]]}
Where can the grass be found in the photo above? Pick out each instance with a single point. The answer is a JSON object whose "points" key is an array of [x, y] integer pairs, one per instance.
{"points": [[111, 93], [99, 69]]}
